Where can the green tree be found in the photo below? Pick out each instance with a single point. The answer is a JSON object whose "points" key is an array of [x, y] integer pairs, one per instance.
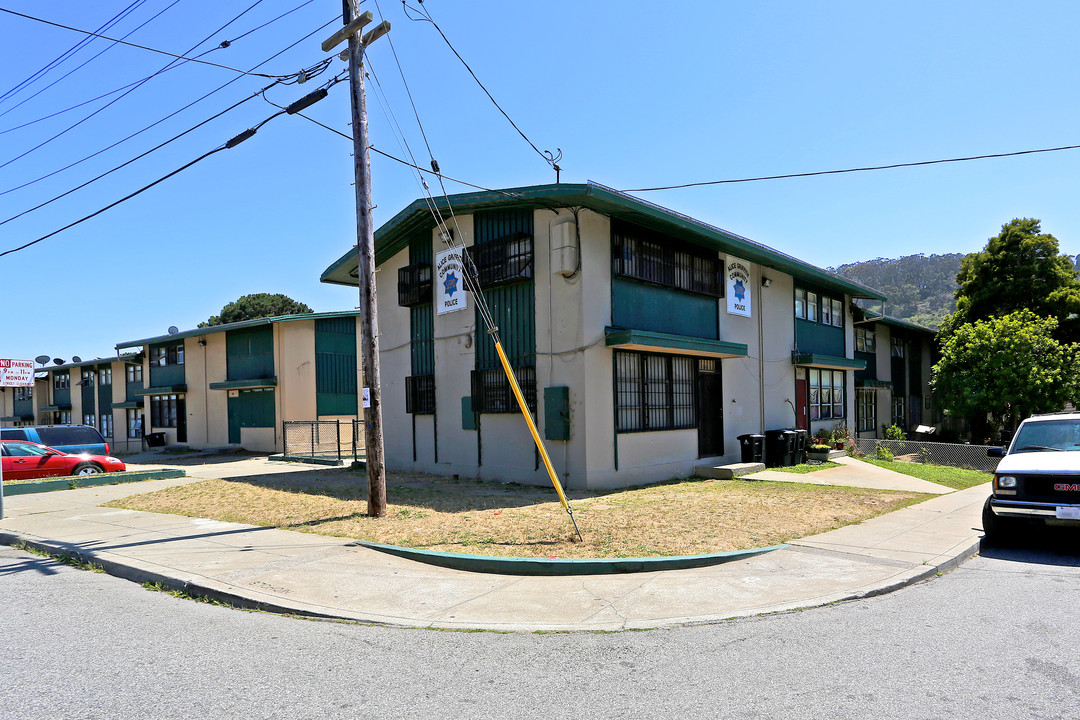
{"points": [[257, 305], [1020, 268], [1009, 367]]}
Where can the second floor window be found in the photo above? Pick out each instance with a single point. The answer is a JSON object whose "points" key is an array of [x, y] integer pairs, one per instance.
{"points": [[665, 261], [813, 307], [61, 380], [105, 376], [170, 355], [134, 373], [865, 340]]}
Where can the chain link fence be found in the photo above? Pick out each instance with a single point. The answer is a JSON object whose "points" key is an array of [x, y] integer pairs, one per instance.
{"points": [[933, 453], [327, 440]]}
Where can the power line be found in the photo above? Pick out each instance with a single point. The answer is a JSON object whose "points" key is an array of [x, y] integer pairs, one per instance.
{"points": [[857, 169], [137, 157], [231, 143], [414, 166], [88, 61], [69, 52], [170, 115], [425, 16], [141, 47]]}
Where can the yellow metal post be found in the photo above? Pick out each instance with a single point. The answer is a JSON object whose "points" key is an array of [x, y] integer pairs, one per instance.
{"points": [[536, 435]]}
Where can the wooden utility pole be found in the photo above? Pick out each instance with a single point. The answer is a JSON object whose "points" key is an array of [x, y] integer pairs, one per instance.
{"points": [[365, 250]]}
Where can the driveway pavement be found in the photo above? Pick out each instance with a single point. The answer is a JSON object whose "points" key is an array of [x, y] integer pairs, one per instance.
{"points": [[293, 572]]}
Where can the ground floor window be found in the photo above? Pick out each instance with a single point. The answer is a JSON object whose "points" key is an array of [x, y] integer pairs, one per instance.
{"points": [[898, 414], [866, 409], [163, 411], [105, 424], [654, 392], [826, 393], [88, 420], [134, 423], [63, 417]]}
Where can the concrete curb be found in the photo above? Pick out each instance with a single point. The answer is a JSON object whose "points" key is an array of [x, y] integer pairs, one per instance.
{"points": [[141, 576], [81, 481], [556, 566]]}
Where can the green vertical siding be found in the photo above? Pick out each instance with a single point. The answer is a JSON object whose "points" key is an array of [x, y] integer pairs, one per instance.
{"points": [[89, 407], [512, 306], [422, 317], [251, 408], [335, 366], [250, 353], [813, 337]]}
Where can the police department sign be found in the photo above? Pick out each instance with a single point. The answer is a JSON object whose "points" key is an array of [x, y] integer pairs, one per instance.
{"points": [[449, 282], [739, 300]]}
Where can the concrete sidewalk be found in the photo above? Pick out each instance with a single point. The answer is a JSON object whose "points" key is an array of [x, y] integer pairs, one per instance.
{"points": [[285, 571]]}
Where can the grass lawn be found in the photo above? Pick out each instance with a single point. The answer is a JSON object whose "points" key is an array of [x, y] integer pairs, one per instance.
{"points": [[675, 518], [804, 468], [956, 478]]}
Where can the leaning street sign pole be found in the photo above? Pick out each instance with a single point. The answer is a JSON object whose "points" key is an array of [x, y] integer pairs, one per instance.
{"points": [[13, 374], [365, 249]]}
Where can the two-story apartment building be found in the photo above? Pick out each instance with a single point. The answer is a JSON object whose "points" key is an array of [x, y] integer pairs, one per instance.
{"points": [[234, 384], [645, 341]]}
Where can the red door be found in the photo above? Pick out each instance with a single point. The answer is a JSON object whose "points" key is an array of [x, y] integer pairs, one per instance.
{"points": [[801, 416]]}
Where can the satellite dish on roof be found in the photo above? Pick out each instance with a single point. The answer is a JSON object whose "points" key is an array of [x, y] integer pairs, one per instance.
{"points": [[76, 359], [173, 329], [57, 361], [41, 359]]}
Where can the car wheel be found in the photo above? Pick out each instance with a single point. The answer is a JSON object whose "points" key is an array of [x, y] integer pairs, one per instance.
{"points": [[997, 530], [87, 468]]}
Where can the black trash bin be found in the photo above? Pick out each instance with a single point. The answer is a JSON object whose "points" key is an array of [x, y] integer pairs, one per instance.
{"points": [[777, 453], [802, 440], [155, 439], [753, 447], [791, 441]]}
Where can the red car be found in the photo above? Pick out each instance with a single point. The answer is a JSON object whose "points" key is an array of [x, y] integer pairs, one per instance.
{"points": [[24, 460]]}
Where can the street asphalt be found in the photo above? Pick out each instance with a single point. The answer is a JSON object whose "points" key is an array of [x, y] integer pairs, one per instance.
{"points": [[305, 574]]}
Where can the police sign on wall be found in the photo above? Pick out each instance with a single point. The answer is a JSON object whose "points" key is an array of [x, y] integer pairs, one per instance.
{"points": [[739, 300], [450, 293]]}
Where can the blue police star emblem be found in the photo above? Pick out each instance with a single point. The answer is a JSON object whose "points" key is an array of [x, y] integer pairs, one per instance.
{"points": [[450, 284], [740, 290]]}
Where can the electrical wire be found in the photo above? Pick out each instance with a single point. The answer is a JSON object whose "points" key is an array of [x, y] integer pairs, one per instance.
{"points": [[141, 47], [137, 157], [174, 113], [425, 16], [374, 149], [136, 87], [90, 60], [857, 169], [224, 44], [69, 52], [233, 142]]}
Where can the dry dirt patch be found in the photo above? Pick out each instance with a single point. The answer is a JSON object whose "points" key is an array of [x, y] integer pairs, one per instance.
{"points": [[677, 518]]}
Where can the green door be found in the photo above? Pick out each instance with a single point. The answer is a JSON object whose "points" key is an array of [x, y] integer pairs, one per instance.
{"points": [[234, 420]]}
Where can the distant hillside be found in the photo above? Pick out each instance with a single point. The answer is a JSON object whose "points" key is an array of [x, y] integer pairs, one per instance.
{"points": [[919, 287]]}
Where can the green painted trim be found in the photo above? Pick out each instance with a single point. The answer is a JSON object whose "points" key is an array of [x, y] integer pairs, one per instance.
{"points": [[238, 384], [99, 361], [163, 390], [16, 418], [234, 326], [828, 361], [540, 566], [81, 481], [681, 344], [394, 235], [55, 408], [897, 322], [128, 405], [885, 384]]}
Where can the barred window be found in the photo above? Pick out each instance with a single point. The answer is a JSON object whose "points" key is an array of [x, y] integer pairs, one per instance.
{"points": [[654, 392], [639, 254], [420, 394], [491, 392], [414, 284], [504, 259]]}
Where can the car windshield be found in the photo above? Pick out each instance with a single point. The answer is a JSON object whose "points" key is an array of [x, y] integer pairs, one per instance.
{"points": [[1052, 435]]}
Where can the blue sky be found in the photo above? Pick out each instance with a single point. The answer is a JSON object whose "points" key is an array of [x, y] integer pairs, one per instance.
{"points": [[635, 94]]}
